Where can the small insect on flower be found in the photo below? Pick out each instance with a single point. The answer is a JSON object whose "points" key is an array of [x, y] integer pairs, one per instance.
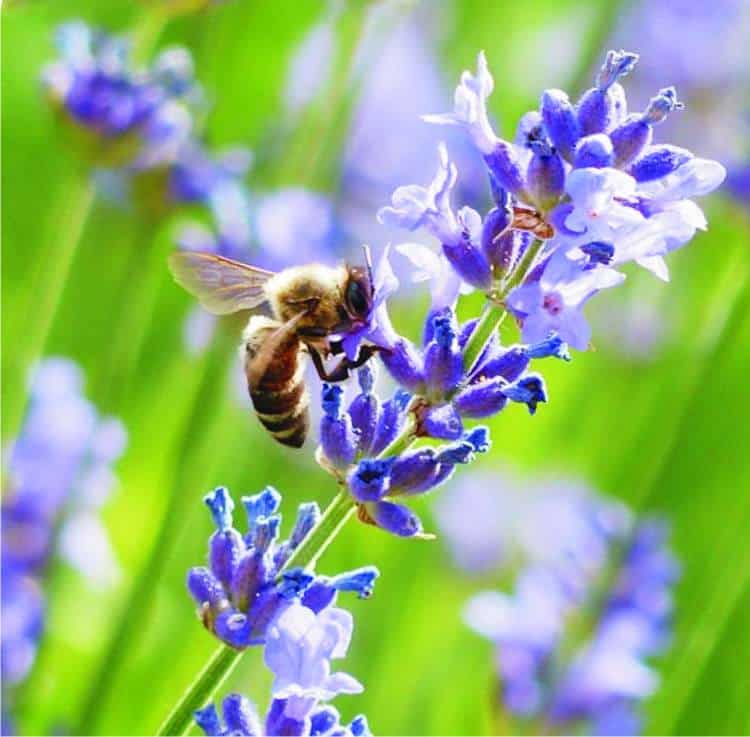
{"points": [[316, 309]]}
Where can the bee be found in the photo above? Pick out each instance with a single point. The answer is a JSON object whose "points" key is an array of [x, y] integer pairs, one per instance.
{"points": [[312, 307]]}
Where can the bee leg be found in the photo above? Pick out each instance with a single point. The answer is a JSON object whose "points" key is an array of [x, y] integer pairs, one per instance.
{"points": [[340, 372]]}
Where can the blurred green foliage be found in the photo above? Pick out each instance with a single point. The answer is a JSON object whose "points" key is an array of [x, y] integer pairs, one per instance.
{"points": [[669, 433]]}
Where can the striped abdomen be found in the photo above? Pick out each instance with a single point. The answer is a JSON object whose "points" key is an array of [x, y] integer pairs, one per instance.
{"points": [[275, 366]]}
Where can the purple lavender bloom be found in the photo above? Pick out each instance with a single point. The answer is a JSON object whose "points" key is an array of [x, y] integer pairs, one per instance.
{"points": [[352, 447], [448, 392], [244, 588], [58, 476], [554, 303], [574, 679], [586, 178], [706, 60], [300, 647], [134, 112]]}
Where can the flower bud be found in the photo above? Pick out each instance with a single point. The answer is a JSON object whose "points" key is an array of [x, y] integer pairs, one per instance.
{"points": [[364, 411], [239, 716], [443, 363], [546, 176], [371, 479], [390, 421], [604, 106], [507, 169], [482, 399], [442, 422], [498, 243], [469, 262], [560, 122], [594, 151], [336, 432], [405, 365], [529, 390], [395, 518]]}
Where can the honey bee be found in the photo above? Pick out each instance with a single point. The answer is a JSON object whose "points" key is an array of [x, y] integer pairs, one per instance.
{"points": [[312, 307]]}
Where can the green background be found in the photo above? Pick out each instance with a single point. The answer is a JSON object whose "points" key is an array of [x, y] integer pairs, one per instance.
{"points": [[666, 434]]}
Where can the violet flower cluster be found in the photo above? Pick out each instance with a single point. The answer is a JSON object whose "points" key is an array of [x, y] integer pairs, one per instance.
{"points": [[352, 446], [300, 647], [590, 604], [126, 116], [708, 61], [246, 585], [586, 179], [58, 474], [582, 190]]}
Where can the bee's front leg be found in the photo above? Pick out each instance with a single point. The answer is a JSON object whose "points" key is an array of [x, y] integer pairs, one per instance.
{"points": [[340, 372]]}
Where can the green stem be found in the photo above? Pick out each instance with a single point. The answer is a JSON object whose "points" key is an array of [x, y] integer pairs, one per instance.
{"points": [[491, 319], [204, 414], [321, 536], [136, 304], [65, 228], [201, 690], [495, 312]]}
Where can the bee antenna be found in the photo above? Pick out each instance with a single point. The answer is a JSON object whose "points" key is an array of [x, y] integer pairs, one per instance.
{"points": [[368, 262]]}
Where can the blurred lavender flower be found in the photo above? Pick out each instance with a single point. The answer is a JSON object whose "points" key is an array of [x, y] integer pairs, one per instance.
{"points": [[591, 603], [58, 476], [707, 60], [493, 521], [245, 587], [585, 179], [300, 647], [127, 115]]}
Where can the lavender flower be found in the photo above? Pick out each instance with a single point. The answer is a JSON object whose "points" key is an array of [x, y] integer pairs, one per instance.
{"points": [[58, 476], [301, 645], [353, 444], [574, 635], [129, 115], [585, 178], [448, 392], [245, 587], [707, 62]]}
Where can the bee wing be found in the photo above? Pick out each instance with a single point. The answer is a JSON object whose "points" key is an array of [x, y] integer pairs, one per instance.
{"points": [[220, 284]]}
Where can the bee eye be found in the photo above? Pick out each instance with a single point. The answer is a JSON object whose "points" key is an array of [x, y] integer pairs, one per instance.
{"points": [[357, 299]]}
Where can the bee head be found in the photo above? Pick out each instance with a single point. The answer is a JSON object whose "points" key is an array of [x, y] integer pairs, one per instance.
{"points": [[358, 293]]}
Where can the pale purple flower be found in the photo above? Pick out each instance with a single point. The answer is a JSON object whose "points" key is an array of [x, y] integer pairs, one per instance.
{"points": [[555, 302], [414, 206], [470, 107], [300, 646]]}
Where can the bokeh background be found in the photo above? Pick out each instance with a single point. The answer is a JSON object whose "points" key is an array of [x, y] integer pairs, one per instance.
{"points": [[655, 416]]}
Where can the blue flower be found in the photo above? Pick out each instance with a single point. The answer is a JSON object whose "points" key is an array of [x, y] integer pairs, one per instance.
{"points": [[584, 178], [244, 588], [448, 391], [133, 112], [574, 679], [58, 476], [301, 643]]}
